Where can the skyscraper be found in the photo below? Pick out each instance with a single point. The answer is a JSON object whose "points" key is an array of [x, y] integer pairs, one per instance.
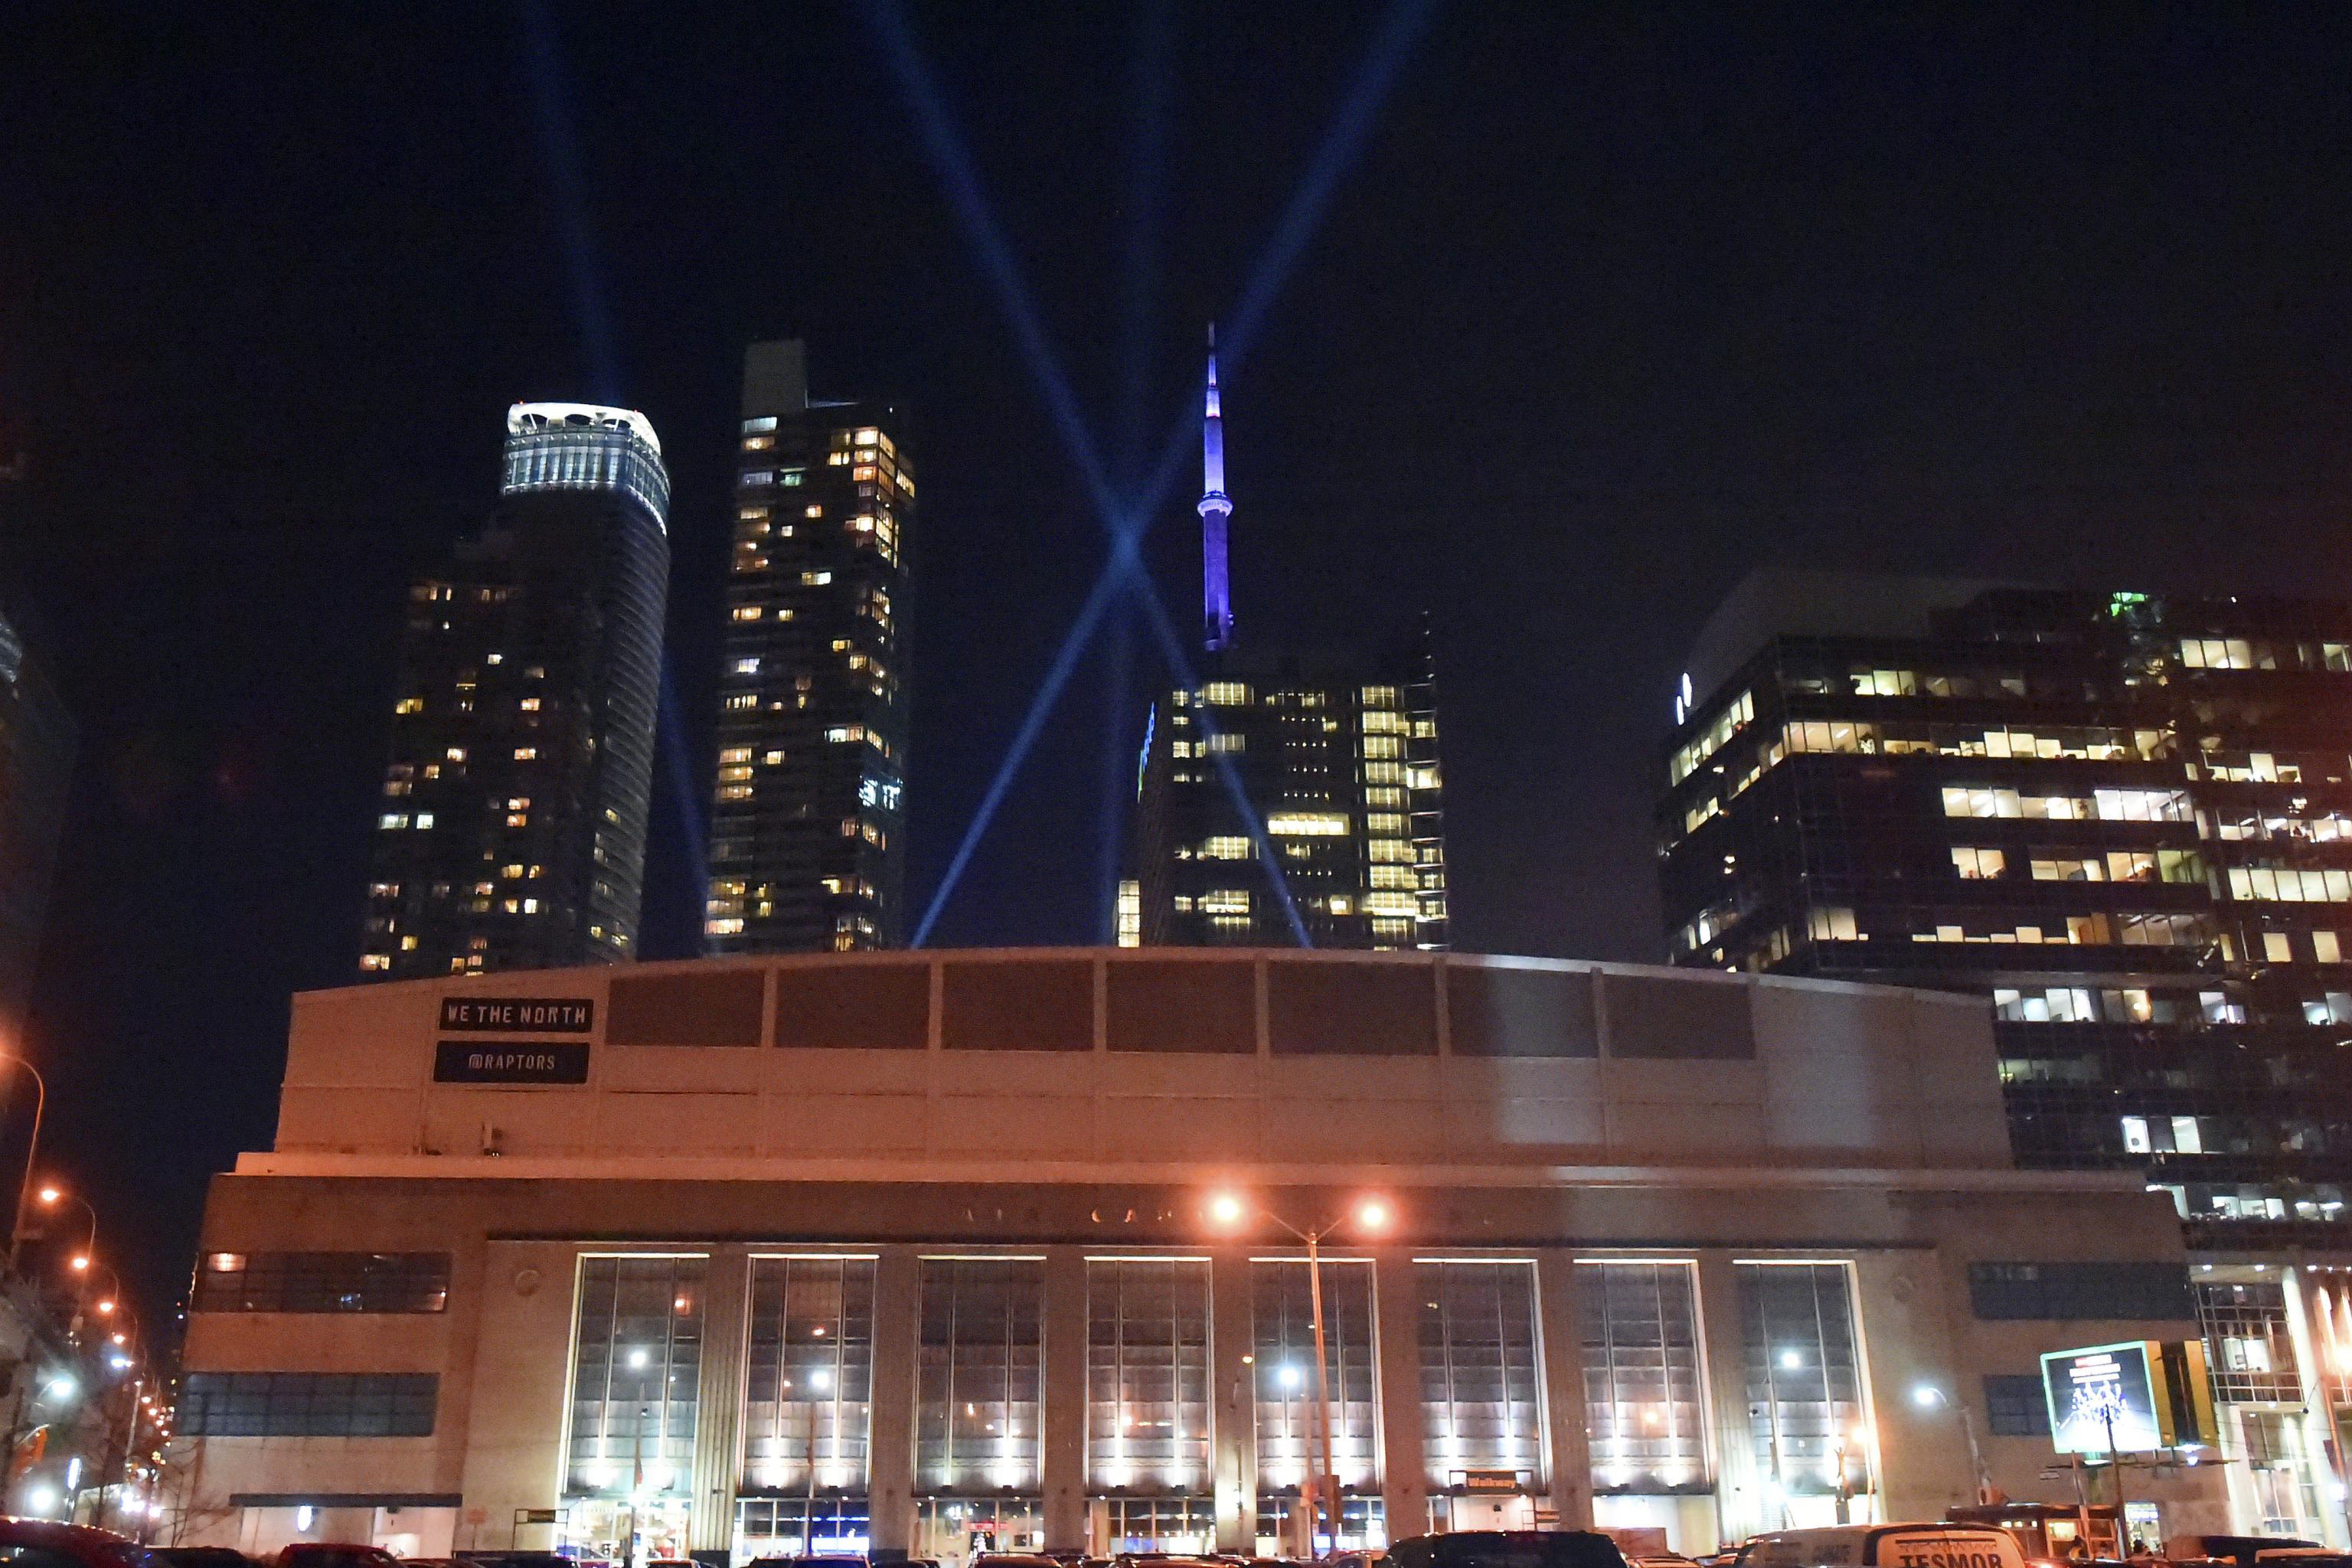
{"points": [[511, 833], [36, 752], [2125, 820], [806, 850], [1289, 798]]}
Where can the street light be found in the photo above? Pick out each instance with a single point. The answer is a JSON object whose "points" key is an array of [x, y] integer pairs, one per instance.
{"points": [[51, 1194], [1372, 1214], [1928, 1396], [31, 1153]]}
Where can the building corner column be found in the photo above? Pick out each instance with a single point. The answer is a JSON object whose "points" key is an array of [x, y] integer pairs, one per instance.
{"points": [[1404, 1465], [1740, 1504], [1233, 1400], [1062, 1447], [718, 1413], [890, 1452], [1560, 1340]]}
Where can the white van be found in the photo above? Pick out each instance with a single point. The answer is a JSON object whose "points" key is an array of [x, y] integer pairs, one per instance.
{"points": [[1928, 1545]]}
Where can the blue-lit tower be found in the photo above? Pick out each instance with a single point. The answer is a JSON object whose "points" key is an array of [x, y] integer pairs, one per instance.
{"points": [[1216, 582], [1289, 796]]}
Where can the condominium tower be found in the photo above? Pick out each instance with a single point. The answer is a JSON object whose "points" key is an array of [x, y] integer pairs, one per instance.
{"points": [[806, 841], [512, 831]]}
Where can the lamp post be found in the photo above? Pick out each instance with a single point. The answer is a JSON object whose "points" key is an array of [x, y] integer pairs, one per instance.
{"points": [[1928, 1396], [51, 1194], [31, 1153], [1231, 1210]]}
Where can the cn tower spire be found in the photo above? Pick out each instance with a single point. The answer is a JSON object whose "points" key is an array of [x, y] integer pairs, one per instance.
{"points": [[1217, 587]]}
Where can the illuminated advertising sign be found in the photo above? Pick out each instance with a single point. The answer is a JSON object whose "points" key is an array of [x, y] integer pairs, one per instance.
{"points": [[2102, 1400], [2130, 1398]]}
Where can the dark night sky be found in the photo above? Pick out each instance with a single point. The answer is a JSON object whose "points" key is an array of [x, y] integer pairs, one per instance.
{"points": [[1614, 305]]}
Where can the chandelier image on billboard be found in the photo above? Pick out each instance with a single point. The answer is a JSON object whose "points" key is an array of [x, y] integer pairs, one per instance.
{"points": [[2136, 1397]]}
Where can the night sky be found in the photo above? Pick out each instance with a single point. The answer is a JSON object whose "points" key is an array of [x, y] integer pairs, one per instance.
{"points": [[1612, 306]]}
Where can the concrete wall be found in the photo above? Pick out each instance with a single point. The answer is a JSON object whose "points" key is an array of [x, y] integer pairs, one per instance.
{"points": [[1570, 1063]]}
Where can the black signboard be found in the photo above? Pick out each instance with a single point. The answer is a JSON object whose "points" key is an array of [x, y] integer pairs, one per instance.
{"points": [[510, 1062], [542, 1014]]}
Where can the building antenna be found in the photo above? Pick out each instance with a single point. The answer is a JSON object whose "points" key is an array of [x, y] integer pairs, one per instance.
{"points": [[1216, 582]]}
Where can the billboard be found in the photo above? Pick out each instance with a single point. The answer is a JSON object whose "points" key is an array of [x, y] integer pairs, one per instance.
{"points": [[2130, 1398]]}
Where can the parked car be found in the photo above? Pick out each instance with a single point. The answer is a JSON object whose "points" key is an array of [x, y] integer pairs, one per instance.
{"points": [[39, 1543], [217, 1557], [2243, 1550], [1507, 1549], [334, 1554]]}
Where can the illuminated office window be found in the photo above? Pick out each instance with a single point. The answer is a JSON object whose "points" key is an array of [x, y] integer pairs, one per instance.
{"points": [[1804, 1376], [1481, 1406], [1148, 1374], [1284, 1332], [808, 1384], [977, 1377], [636, 1374], [1643, 1400]]}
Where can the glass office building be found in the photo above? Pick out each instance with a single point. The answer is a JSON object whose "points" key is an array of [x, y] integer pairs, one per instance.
{"points": [[2127, 820]]}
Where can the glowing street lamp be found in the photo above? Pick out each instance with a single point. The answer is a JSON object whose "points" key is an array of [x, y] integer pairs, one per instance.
{"points": [[31, 1153], [1228, 1210], [51, 1194], [1928, 1396]]}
